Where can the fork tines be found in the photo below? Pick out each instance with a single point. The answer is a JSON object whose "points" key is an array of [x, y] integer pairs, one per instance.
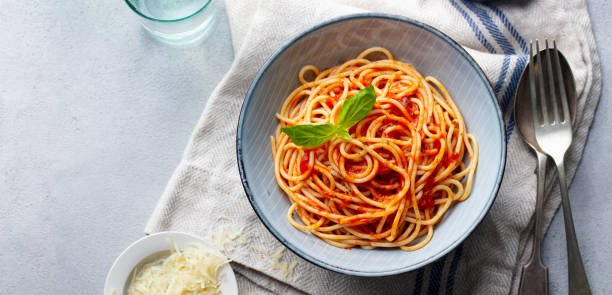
{"points": [[547, 94]]}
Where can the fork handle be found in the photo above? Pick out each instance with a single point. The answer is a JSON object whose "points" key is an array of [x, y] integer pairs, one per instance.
{"points": [[578, 283]]}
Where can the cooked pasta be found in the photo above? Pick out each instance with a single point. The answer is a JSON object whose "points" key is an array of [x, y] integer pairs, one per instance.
{"points": [[408, 160]]}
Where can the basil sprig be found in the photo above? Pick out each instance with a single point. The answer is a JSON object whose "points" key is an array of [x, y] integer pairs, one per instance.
{"points": [[353, 110], [311, 135]]}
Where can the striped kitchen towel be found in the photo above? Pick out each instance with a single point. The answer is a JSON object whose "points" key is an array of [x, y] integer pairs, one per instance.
{"points": [[206, 186]]}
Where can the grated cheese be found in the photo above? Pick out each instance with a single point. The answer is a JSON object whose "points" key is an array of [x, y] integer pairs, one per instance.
{"points": [[262, 251], [223, 217], [194, 270], [278, 255], [285, 269], [226, 238]]}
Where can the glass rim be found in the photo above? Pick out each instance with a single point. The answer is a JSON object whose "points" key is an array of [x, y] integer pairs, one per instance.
{"points": [[129, 3]]}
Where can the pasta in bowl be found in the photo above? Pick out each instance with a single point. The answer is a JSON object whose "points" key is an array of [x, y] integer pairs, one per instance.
{"points": [[392, 180], [335, 171]]}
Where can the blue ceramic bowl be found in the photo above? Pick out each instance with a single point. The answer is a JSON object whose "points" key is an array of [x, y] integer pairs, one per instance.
{"points": [[328, 44]]}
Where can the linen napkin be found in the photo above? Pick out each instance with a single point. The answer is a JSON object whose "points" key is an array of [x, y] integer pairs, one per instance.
{"points": [[205, 196]]}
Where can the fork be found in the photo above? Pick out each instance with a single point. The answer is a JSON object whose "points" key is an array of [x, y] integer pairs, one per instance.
{"points": [[553, 133]]}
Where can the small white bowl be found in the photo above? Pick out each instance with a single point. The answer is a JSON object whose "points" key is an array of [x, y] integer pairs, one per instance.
{"points": [[150, 248]]}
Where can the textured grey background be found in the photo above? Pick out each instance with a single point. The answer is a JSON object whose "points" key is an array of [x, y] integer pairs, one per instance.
{"points": [[94, 116]]}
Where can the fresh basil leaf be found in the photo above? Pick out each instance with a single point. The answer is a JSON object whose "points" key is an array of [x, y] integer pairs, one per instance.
{"points": [[343, 133], [357, 107], [309, 135], [354, 109]]}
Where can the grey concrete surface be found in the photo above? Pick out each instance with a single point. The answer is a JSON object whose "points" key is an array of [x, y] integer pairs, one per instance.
{"points": [[94, 116]]}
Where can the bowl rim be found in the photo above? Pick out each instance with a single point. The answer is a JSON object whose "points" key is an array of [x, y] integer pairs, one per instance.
{"points": [[315, 260]]}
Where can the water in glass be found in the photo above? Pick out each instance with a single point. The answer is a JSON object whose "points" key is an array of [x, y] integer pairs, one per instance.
{"points": [[177, 22]]}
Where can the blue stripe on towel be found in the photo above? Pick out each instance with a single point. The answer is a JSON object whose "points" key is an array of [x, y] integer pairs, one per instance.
{"points": [[510, 28], [504, 44], [510, 90], [508, 49], [520, 64], [502, 75], [435, 280], [418, 284], [514, 79], [450, 284], [488, 23], [479, 35]]}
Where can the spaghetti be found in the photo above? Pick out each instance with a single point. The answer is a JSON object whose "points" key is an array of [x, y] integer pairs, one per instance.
{"points": [[403, 168]]}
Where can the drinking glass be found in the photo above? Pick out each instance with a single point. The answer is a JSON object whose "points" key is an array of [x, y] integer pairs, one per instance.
{"points": [[176, 22]]}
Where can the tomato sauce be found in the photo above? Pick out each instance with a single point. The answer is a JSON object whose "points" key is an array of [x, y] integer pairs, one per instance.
{"points": [[450, 159], [305, 162], [412, 109], [389, 178], [331, 101], [426, 201], [395, 134]]}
